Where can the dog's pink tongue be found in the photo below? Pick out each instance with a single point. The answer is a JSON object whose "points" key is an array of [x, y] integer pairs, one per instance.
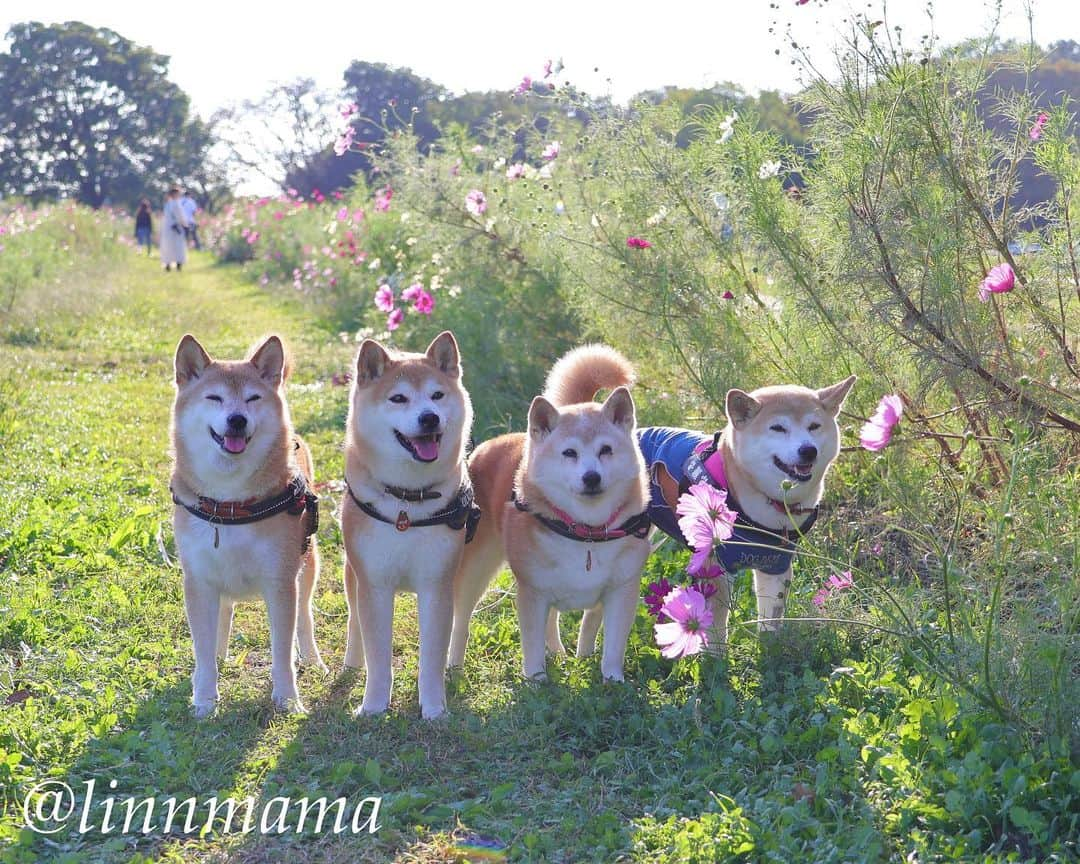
{"points": [[426, 448], [235, 443]]}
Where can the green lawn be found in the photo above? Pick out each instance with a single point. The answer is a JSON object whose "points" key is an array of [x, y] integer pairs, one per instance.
{"points": [[826, 746]]}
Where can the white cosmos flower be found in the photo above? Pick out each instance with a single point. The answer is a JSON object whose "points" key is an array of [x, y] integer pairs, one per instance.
{"points": [[727, 128], [768, 169]]}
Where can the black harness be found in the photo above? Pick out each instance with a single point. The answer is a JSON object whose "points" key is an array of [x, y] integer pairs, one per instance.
{"points": [[297, 499], [461, 512], [636, 526]]}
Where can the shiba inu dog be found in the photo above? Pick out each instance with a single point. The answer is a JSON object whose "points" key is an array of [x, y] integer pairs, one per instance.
{"points": [[245, 515], [772, 458], [408, 510], [564, 506]]}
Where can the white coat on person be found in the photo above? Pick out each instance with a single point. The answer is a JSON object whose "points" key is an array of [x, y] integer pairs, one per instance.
{"points": [[173, 241]]}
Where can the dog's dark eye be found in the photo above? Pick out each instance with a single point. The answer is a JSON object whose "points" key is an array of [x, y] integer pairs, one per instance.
{"points": [[438, 394], [399, 399], [254, 398], [814, 427], [570, 453], [776, 427], [605, 450], [213, 398]]}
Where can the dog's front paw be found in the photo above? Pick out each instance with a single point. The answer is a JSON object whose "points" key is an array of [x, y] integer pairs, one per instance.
{"points": [[433, 711], [203, 710], [369, 709], [288, 703], [614, 677], [537, 677]]}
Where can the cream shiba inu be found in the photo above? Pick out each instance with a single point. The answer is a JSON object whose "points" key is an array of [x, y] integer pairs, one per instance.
{"points": [[408, 509], [563, 506], [772, 459], [245, 517]]}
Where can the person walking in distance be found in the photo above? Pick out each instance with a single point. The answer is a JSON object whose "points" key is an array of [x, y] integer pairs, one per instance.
{"points": [[173, 223], [191, 232], [144, 227]]}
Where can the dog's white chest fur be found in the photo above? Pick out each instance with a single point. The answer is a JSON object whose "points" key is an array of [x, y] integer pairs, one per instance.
{"points": [[405, 560], [574, 574], [234, 559]]}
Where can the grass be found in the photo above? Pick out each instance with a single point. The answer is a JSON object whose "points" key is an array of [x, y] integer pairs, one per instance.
{"points": [[827, 744]]}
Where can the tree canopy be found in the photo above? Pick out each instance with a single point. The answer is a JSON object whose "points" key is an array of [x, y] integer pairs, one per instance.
{"points": [[88, 114]]}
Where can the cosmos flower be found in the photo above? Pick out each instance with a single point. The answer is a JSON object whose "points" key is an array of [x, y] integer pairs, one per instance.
{"points": [[637, 243], [384, 298], [1037, 129], [768, 169], [551, 151], [705, 520], [393, 320], [877, 431], [1000, 280], [685, 633], [475, 202]]}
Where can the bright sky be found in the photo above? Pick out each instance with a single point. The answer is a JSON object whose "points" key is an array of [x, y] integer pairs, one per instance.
{"points": [[226, 51]]}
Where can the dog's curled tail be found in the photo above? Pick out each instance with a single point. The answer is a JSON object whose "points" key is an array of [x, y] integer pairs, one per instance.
{"points": [[580, 373]]}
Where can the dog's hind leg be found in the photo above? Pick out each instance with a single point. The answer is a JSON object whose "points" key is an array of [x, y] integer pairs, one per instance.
{"points": [[771, 590], [224, 627], [281, 596], [354, 643], [590, 626], [305, 617], [479, 564], [552, 637]]}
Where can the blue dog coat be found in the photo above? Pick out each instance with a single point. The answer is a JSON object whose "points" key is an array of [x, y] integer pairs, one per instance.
{"points": [[751, 545]]}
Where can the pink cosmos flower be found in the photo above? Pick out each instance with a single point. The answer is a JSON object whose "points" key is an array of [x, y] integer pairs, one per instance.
{"points": [[801, 2], [524, 87], [382, 198], [1000, 280], [475, 202], [412, 292], [705, 520], [551, 152], [342, 145], [358, 216], [547, 69], [836, 583], [727, 295], [877, 431], [1036, 131], [384, 298], [394, 319], [424, 303], [515, 171], [690, 617], [655, 594], [348, 110], [342, 214], [637, 243]]}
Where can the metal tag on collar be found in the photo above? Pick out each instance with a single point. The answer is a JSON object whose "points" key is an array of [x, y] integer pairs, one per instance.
{"points": [[402, 523]]}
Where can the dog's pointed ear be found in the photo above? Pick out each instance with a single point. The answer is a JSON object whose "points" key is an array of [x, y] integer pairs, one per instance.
{"points": [[740, 407], [542, 418], [833, 397], [443, 352], [619, 409], [371, 362], [669, 486], [269, 359], [191, 360]]}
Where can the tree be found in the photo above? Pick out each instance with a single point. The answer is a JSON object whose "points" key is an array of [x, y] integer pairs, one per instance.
{"points": [[86, 113], [278, 137]]}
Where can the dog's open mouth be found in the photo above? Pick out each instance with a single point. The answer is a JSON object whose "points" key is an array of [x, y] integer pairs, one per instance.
{"points": [[231, 443], [799, 472], [424, 448]]}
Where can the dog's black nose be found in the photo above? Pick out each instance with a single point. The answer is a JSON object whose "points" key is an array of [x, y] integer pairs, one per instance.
{"points": [[429, 421], [591, 479], [807, 453], [237, 422]]}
